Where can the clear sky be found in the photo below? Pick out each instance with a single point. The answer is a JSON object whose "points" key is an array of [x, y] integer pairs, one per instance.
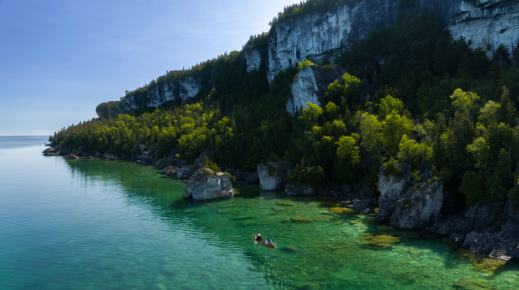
{"points": [[59, 58]]}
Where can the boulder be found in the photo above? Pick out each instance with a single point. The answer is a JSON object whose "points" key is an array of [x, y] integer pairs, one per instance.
{"points": [[391, 188], [300, 190], [206, 184], [185, 172], [170, 171], [73, 157], [272, 176], [89, 157], [419, 208]]}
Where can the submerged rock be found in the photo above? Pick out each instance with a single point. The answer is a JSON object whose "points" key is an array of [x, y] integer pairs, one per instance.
{"points": [[205, 184], [489, 265], [272, 176], [301, 220], [285, 203], [341, 210], [379, 241], [471, 284], [242, 218], [329, 204]]}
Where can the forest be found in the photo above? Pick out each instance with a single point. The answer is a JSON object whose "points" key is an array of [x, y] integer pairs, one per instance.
{"points": [[437, 103]]}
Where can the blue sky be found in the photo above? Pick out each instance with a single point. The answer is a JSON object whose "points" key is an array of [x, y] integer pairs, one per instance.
{"points": [[59, 58]]}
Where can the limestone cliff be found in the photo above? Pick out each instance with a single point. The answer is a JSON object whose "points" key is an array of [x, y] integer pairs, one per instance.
{"points": [[310, 86], [483, 23], [160, 94]]}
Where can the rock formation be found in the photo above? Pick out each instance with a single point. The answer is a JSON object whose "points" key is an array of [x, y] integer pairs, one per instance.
{"points": [[272, 176], [185, 172], [170, 171], [160, 94], [483, 229], [206, 184], [419, 207], [410, 203], [483, 23], [311, 85], [391, 188], [253, 59]]}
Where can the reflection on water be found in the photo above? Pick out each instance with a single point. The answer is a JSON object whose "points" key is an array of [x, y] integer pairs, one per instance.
{"points": [[91, 224]]}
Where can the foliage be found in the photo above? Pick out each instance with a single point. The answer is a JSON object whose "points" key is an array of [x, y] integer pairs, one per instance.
{"points": [[348, 88], [391, 168], [304, 64], [472, 188], [436, 103], [211, 165], [307, 176]]}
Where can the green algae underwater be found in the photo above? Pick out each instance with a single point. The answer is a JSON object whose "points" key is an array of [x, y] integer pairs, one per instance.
{"points": [[92, 224]]}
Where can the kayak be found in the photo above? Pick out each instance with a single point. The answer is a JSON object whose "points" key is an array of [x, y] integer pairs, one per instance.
{"points": [[264, 242]]}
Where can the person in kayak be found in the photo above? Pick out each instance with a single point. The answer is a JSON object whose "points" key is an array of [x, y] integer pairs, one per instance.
{"points": [[269, 241], [258, 237]]}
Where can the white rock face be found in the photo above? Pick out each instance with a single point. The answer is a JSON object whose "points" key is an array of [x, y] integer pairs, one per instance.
{"points": [[304, 90], [489, 23], [164, 93], [276, 180], [313, 37], [189, 88], [160, 95], [318, 35], [253, 59], [205, 185], [310, 86]]}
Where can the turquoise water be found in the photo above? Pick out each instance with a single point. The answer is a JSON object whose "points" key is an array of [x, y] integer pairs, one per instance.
{"points": [[92, 224]]}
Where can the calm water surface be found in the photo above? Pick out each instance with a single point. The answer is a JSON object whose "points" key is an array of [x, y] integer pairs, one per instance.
{"points": [[92, 224]]}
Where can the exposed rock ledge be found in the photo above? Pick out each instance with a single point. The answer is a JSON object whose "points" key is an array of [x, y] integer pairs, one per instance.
{"points": [[311, 85], [272, 176], [205, 184], [409, 203]]}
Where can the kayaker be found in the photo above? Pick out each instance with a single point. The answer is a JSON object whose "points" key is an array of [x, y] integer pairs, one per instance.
{"points": [[269, 241], [258, 237]]}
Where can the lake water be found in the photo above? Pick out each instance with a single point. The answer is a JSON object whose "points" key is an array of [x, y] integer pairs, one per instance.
{"points": [[92, 224]]}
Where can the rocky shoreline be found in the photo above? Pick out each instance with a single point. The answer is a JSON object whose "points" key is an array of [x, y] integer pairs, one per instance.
{"points": [[405, 202]]}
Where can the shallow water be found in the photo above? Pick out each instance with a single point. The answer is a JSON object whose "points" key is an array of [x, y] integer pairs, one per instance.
{"points": [[92, 224]]}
